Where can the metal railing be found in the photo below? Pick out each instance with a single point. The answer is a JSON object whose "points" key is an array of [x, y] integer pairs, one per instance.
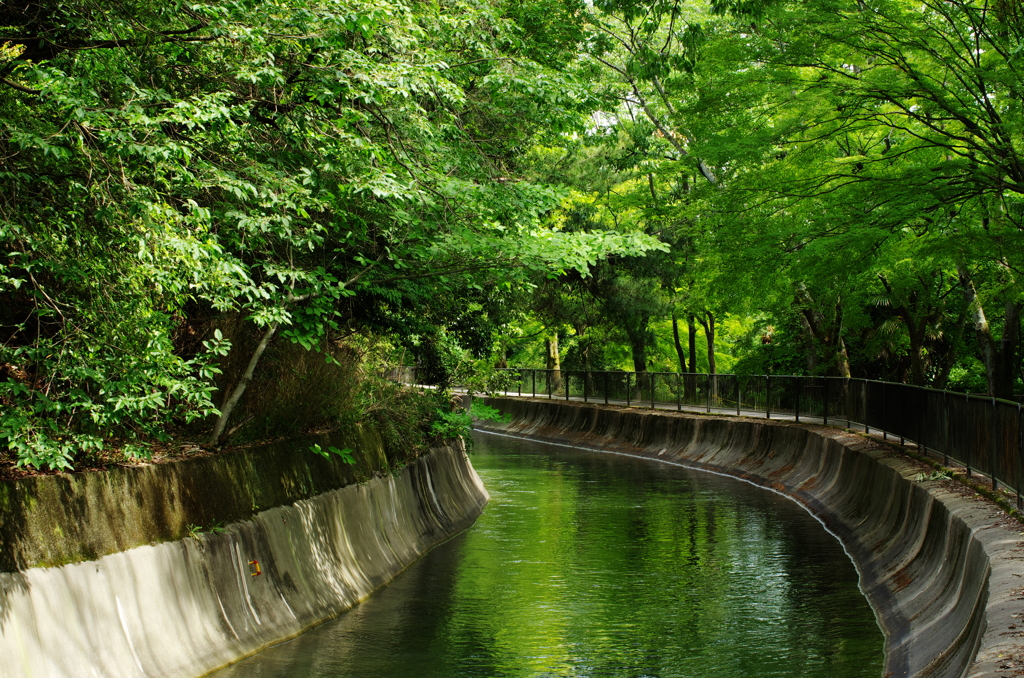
{"points": [[982, 433]]}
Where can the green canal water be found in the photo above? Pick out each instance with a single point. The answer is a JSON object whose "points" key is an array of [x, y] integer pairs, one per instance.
{"points": [[588, 565]]}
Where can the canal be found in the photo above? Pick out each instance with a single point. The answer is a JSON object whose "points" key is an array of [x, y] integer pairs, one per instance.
{"points": [[597, 565]]}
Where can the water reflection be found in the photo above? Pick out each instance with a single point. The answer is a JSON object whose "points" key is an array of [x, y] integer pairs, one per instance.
{"points": [[597, 565]]}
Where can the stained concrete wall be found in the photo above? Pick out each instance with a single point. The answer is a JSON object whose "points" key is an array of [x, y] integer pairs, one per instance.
{"points": [[58, 519], [939, 568], [186, 607]]}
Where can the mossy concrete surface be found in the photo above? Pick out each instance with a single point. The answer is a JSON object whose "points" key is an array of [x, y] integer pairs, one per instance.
{"points": [[942, 569], [184, 608], [59, 519]]}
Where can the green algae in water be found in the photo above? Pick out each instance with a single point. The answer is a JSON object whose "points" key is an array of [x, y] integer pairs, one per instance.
{"points": [[591, 565]]}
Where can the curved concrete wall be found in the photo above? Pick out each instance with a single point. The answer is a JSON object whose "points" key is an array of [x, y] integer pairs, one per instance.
{"points": [[937, 567], [184, 608], [54, 520]]}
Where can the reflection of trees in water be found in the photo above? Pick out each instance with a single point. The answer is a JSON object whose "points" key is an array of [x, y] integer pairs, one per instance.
{"points": [[602, 565]]}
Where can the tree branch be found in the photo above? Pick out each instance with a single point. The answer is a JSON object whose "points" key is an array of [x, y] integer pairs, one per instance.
{"points": [[20, 88]]}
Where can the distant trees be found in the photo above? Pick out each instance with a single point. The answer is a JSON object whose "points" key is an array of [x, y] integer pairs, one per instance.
{"points": [[846, 175]]}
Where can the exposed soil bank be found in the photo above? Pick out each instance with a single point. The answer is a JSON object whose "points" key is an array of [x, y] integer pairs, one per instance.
{"points": [[184, 608], [942, 570]]}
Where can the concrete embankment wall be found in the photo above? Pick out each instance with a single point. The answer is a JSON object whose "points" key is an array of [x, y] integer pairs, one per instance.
{"points": [[186, 607], [937, 567], [58, 519]]}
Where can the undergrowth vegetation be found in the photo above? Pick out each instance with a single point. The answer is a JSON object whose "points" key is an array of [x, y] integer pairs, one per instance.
{"points": [[336, 387]]}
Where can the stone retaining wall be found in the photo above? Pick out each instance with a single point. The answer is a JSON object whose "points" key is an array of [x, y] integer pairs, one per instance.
{"points": [[942, 570]]}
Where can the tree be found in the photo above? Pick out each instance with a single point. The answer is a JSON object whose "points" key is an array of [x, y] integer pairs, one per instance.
{"points": [[272, 162], [828, 135]]}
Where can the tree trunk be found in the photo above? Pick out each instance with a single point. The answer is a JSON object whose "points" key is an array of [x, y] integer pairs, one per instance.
{"points": [[218, 435], [999, 360], [917, 361], [982, 330], [638, 347], [709, 334], [1008, 350], [810, 349], [691, 330], [554, 362], [679, 347], [842, 357], [915, 332], [942, 352], [828, 335], [584, 343]]}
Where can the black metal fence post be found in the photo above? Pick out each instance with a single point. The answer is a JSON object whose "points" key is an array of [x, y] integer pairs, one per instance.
{"points": [[737, 396], [548, 373], [679, 392], [606, 387], [586, 381], [653, 376], [846, 399], [902, 417], [799, 390], [824, 406], [533, 376], [992, 451], [945, 418], [566, 383], [1020, 452], [967, 404], [707, 392], [627, 390], [884, 412], [864, 405], [767, 396], [923, 429]]}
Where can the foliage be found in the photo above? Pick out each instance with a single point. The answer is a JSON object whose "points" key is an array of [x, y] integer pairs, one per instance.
{"points": [[196, 531], [484, 377], [187, 188], [314, 168], [99, 390], [938, 474], [452, 424], [458, 423], [840, 177], [344, 453]]}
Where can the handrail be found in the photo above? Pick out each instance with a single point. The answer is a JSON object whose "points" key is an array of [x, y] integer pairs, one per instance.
{"points": [[982, 433]]}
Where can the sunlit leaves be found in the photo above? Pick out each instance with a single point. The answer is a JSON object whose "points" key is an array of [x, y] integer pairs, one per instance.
{"points": [[272, 160]]}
